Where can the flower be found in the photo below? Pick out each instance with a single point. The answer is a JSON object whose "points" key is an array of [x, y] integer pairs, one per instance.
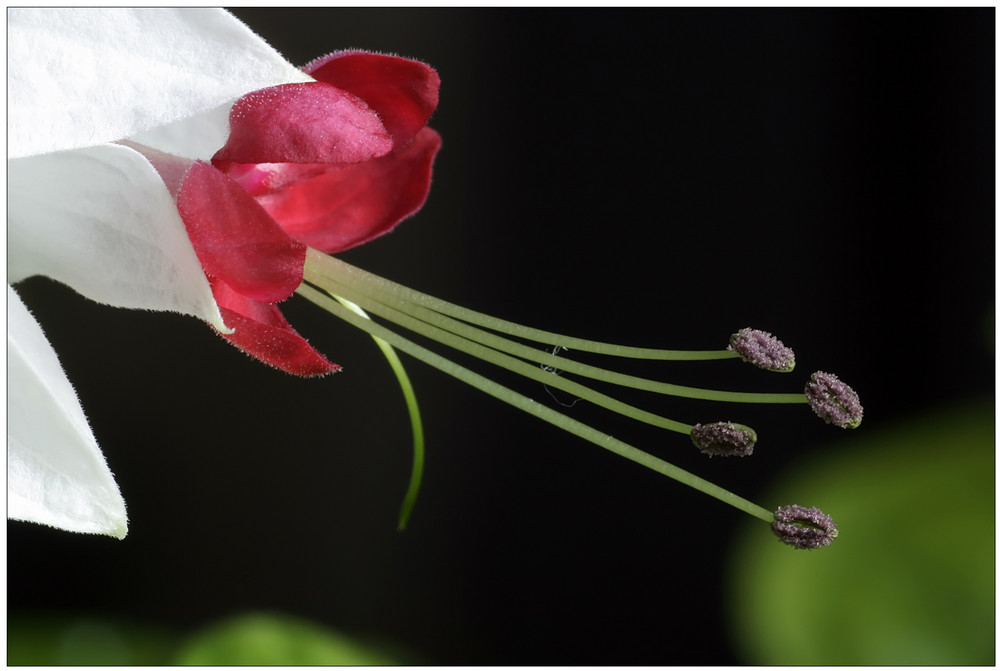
{"points": [[313, 164], [330, 164], [97, 215], [221, 199]]}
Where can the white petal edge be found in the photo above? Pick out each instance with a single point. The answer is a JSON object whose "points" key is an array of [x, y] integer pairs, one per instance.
{"points": [[101, 220], [56, 473], [77, 77], [198, 136]]}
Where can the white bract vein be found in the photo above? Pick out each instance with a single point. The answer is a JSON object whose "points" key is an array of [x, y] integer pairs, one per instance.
{"points": [[97, 216]]}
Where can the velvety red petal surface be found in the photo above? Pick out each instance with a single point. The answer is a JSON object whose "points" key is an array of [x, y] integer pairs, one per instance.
{"points": [[303, 123], [350, 205], [262, 332], [259, 179], [235, 239], [404, 92]]}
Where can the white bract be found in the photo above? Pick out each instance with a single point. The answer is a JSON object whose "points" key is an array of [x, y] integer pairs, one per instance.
{"points": [[97, 216]]}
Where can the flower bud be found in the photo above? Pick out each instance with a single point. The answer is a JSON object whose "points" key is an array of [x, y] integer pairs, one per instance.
{"points": [[803, 528], [834, 401], [762, 350], [726, 439]]}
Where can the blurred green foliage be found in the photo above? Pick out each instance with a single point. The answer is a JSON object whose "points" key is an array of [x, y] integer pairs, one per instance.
{"points": [[263, 639], [911, 578], [67, 640], [256, 639]]}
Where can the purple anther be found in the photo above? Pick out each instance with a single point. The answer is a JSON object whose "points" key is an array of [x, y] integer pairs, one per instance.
{"points": [[726, 439], [762, 350], [803, 528], [834, 401]]}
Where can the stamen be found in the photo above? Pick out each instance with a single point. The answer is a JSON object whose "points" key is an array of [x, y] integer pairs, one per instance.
{"points": [[489, 339], [762, 350], [803, 528], [334, 268], [416, 424], [501, 359], [726, 439], [321, 269], [534, 408], [834, 401]]}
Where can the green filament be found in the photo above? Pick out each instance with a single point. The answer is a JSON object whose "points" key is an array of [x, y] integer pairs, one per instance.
{"points": [[502, 360], [334, 268], [322, 267], [416, 425], [532, 407]]}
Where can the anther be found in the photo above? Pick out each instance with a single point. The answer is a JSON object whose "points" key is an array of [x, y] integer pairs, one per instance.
{"points": [[726, 439], [834, 401], [803, 528], [762, 350]]}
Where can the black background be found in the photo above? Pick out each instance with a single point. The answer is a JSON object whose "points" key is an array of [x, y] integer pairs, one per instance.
{"points": [[656, 177]]}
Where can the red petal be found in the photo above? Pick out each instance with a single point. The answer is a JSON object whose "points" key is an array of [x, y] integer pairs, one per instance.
{"points": [[262, 332], [303, 123], [259, 179], [235, 239], [350, 205], [403, 92]]}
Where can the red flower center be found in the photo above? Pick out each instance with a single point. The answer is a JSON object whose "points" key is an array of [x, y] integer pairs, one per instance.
{"points": [[330, 164]]}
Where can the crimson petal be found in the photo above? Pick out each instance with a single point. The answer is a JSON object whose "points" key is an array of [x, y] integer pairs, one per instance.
{"points": [[349, 205], [235, 239], [303, 123], [404, 92], [262, 332]]}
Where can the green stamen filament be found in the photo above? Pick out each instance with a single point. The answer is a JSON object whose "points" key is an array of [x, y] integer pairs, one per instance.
{"points": [[416, 424], [502, 360], [533, 407], [320, 268], [319, 264]]}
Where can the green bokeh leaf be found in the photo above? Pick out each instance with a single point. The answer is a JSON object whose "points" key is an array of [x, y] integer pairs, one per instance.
{"points": [[909, 581], [264, 639], [65, 640]]}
